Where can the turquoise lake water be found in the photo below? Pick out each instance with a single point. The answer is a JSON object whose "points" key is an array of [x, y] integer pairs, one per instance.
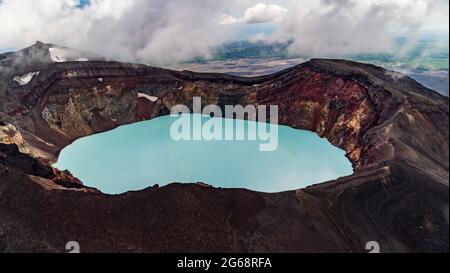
{"points": [[137, 156]]}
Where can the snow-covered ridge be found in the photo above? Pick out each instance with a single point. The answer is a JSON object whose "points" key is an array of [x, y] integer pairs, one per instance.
{"points": [[150, 98], [26, 78], [62, 54]]}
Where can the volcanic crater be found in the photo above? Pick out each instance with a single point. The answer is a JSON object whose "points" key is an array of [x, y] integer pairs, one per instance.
{"points": [[394, 131]]}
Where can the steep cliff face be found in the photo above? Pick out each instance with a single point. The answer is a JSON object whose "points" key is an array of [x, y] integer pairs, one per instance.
{"points": [[394, 131]]}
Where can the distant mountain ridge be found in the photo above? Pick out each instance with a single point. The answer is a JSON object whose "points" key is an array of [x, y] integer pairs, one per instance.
{"points": [[42, 54]]}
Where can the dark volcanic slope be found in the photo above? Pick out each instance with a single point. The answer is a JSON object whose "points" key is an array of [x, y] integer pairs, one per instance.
{"points": [[394, 131]]}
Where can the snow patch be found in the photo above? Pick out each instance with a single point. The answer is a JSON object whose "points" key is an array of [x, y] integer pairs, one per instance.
{"points": [[57, 54], [26, 78], [62, 54], [150, 98]]}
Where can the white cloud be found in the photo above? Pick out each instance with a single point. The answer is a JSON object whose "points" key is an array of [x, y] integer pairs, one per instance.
{"points": [[228, 19], [262, 13], [327, 28], [150, 31], [163, 32], [259, 13]]}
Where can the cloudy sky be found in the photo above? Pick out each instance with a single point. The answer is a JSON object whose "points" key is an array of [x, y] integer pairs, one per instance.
{"points": [[171, 31]]}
